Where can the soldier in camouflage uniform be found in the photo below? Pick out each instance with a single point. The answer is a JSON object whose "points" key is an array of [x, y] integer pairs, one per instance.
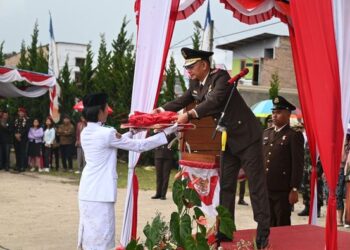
{"points": [[305, 185]]}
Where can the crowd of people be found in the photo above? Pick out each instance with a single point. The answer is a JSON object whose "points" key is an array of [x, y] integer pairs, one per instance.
{"points": [[37, 143]]}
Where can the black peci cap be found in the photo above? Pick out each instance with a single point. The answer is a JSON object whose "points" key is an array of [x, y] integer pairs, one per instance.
{"points": [[192, 56], [93, 100], [280, 102]]}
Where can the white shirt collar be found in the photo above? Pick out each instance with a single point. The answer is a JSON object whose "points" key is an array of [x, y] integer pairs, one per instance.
{"points": [[203, 82], [279, 129], [94, 124]]}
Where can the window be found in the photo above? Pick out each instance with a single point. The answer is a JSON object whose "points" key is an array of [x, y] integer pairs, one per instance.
{"points": [[268, 53], [79, 62], [77, 77]]}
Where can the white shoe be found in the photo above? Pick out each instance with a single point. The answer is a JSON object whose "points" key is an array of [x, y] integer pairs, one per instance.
{"points": [[47, 170], [32, 169], [77, 172], [347, 226], [41, 170]]}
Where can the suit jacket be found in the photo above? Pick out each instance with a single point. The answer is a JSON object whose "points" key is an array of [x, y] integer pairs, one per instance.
{"points": [[163, 152], [243, 128], [283, 158]]}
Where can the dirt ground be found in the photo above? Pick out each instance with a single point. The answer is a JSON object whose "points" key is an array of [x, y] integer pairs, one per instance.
{"points": [[41, 212]]}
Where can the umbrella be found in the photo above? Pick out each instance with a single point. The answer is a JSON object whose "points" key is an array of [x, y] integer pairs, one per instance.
{"points": [[79, 107], [263, 109]]}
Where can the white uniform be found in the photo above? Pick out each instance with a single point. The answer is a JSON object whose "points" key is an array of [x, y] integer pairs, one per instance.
{"points": [[98, 183]]}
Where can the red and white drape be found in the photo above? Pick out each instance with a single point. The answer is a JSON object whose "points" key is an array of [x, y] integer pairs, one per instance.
{"points": [[38, 84], [320, 39], [156, 21]]}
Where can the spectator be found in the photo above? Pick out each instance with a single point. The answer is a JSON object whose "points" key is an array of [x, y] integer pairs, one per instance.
{"points": [[49, 139], [164, 162], [66, 134], [80, 153], [242, 182], [55, 151], [347, 191], [6, 141], [35, 136], [340, 191], [21, 128]]}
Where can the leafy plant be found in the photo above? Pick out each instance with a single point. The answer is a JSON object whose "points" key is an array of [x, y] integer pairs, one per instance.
{"points": [[187, 227], [274, 85]]}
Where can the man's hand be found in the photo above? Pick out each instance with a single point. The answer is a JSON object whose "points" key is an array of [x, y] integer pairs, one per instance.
{"points": [[293, 197], [157, 110], [183, 118]]}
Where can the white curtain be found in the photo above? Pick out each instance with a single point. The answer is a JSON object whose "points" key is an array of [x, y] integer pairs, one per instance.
{"points": [[8, 89], [341, 17], [152, 33]]}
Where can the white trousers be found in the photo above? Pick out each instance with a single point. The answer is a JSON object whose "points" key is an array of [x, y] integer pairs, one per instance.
{"points": [[96, 226]]}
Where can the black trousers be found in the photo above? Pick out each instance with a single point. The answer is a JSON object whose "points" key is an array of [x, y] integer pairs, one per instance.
{"points": [[163, 168], [251, 159], [280, 209], [47, 157], [21, 155], [5, 156], [67, 155], [55, 152], [241, 190]]}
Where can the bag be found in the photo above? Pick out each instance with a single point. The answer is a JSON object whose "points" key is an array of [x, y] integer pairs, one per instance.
{"points": [[55, 144]]}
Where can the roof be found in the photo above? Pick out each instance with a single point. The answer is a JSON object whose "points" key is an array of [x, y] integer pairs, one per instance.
{"points": [[252, 39]]}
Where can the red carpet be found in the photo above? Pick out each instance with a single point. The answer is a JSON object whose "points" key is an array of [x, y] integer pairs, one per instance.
{"points": [[298, 237]]}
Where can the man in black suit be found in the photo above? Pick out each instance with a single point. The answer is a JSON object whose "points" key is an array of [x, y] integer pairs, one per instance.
{"points": [[6, 141], [283, 150], [164, 162], [209, 90]]}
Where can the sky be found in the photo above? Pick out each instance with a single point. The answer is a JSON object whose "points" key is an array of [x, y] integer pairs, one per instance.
{"points": [[82, 21]]}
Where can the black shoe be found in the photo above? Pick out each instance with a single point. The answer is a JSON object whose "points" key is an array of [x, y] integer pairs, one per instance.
{"points": [[155, 197], [220, 237], [163, 198], [262, 242], [242, 202], [305, 212], [318, 213]]}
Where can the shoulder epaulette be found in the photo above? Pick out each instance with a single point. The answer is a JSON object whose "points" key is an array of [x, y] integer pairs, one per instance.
{"points": [[214, 71]]}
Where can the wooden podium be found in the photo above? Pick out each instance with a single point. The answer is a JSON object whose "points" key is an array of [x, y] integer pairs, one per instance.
{"points": [[200, 143]]}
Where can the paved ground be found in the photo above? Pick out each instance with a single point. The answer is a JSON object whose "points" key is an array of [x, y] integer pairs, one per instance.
{"points": [[41, 212]]}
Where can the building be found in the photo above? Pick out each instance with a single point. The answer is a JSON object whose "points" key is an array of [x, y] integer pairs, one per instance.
{"points": [[263, 54], [74, 53]]}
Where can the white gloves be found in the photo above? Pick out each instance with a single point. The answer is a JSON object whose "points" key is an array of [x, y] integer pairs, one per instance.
{"points": [[170, 130]]}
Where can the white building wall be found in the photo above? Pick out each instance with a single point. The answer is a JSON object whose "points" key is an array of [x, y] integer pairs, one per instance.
{"points": [[70, 51], [255, 50]]}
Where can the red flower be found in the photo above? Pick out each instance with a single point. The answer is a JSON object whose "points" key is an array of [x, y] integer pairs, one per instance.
{"points": [[119, 248]]}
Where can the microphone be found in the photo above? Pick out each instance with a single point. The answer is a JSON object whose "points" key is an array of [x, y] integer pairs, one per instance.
{"points": [[238, 76]]}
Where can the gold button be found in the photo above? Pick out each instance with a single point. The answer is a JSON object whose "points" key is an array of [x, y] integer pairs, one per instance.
{"points": [[284, 173], [268, 161], [271, 144], [239, 122], [269, 153], [267, 169]]}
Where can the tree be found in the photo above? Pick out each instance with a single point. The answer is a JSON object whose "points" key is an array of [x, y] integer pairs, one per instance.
{"points": [[274, 85], [2, 56], [102, 76], [196, 38], [68, 91], [33, 49], [23, 60], [168, 89], [86, 73], [122, 74]]}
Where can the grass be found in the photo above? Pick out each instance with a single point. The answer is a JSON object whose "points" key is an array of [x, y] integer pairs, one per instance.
{"points": [[146, 176]]}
